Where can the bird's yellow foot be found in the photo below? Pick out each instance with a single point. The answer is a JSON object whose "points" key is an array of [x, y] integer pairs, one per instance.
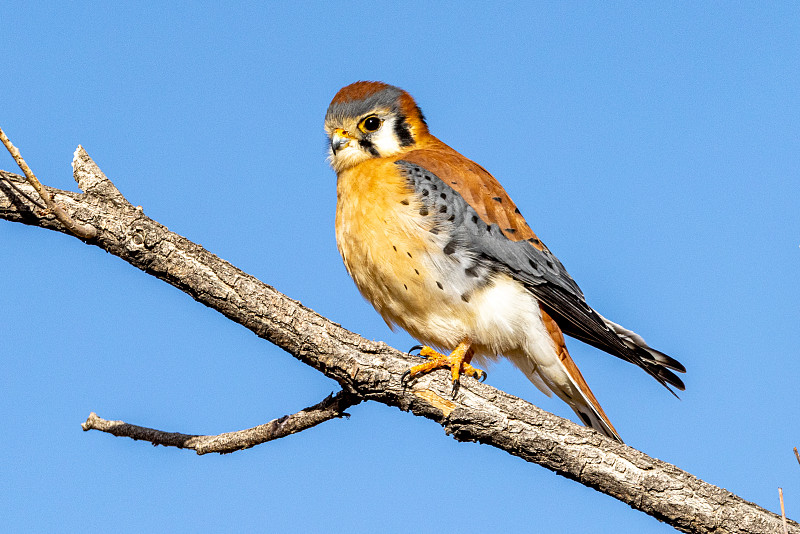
{"points": [[457, 361]]}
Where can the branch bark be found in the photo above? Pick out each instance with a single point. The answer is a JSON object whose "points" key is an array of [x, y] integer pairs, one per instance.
{"points": [[373, 371]]}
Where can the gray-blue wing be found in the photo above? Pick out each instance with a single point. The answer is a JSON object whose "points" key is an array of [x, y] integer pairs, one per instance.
{"points": [[538, 269]]}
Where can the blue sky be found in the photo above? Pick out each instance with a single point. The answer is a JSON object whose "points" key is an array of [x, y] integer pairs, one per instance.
{"points": [[653, 147]]}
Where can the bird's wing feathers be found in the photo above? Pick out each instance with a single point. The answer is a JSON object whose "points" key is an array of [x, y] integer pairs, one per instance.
{"points": [[478, 188], [486, 221], [486, 216]]}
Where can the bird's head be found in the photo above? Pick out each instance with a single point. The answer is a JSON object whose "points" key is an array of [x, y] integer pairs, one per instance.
{"points": [[371, 120]]}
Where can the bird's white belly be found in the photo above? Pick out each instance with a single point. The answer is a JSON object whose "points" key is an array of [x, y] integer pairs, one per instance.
{"points": [[500, 318]]}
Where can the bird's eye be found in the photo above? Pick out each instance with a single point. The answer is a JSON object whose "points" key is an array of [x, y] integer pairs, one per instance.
{"points": [[370, 124]]}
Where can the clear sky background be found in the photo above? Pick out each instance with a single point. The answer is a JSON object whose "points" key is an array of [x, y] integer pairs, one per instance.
{"points": [[654, 148]]}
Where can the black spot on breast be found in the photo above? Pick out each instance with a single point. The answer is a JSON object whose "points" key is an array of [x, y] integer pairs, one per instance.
{"points": [[434, 231], [440, 285], [405, 286], [404, 202], [416, 271], [409, 255], [395, 248], [472, 271], [465, 297], [450, 247], [423, 211]]}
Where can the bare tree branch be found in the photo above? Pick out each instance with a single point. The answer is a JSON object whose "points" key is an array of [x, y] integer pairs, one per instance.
{"points": [[332, 407], [373, 371]]}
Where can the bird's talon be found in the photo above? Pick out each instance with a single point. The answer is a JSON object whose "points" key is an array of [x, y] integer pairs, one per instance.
{"points": [[457, 362], [406, 377], [415, 347]]}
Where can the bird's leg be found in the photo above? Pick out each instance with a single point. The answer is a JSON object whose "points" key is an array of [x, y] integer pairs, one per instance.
{"points": [[457, 361]]}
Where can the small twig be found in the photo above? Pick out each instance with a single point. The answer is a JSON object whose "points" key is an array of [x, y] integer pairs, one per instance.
{"points": [[796, 455], [783, 512], [83, 231], [330, 408]]}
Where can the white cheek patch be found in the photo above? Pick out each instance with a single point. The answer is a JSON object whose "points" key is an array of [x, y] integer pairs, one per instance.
{"points": [[384, 140]]}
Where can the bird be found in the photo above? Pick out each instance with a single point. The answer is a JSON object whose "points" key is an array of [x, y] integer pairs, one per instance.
{"points": [[433, 241]]}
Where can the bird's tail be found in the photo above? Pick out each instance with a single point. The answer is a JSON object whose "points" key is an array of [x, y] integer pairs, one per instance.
{"points": [[585, 404], [570, 386], [566, 381], [653, 361]]}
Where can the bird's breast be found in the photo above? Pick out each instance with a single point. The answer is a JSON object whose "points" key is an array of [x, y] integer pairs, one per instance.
{"points": [[393, 249]]}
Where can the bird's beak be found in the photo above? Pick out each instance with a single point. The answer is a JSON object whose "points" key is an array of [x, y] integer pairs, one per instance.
{"points": [[340, 139]]}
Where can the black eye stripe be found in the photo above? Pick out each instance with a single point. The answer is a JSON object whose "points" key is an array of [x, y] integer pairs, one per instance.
{"points": [[369, 147], [403, 132]]}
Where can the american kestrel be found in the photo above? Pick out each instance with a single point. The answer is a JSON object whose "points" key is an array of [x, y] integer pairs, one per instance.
{"points": [[434, 242]]}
